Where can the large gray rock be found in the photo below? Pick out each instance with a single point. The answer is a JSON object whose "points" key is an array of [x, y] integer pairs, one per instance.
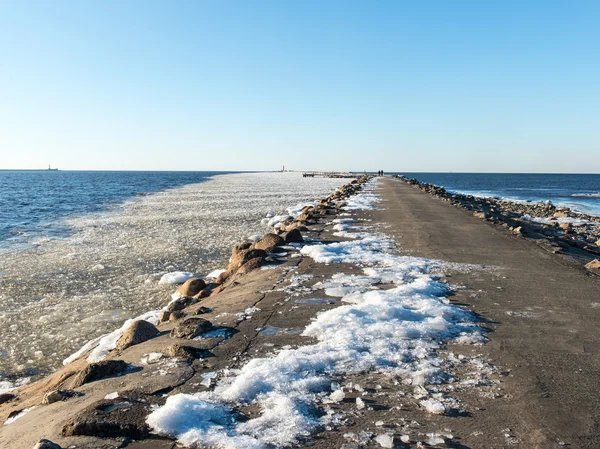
{"points": [[181, 303], [191, 328], [296, 225], [191, 287], [5, 397], [99, 370], [248, 255], [293, 236], [185, 352], [223, 277], [238, 252], [111, 418], [202, 310], [138, 332], [268, 242], [251, 265]]}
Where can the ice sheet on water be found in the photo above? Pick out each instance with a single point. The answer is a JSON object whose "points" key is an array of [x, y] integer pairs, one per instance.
{"points": [[189, 229], [7, 385]]}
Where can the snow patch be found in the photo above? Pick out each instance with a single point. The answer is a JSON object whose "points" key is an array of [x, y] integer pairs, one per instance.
{"points": [[176, 277]]}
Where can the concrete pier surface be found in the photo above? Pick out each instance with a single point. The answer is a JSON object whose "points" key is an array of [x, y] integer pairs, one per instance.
{"points": [[543, 311]]}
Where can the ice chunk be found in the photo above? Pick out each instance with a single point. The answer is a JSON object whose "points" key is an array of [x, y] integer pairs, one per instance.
{"points": [[176, 277], [385, 440], [337, 396], [207, 378], [215, 274], [435, 439], [433, 406], [150, 358]]}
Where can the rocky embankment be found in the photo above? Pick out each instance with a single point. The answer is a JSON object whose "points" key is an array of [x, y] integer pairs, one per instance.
{"points": [[558, 229], [101, 399]]}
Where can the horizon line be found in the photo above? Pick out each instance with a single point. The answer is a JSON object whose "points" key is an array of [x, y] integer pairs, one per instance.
{"points": [[295, 171]]}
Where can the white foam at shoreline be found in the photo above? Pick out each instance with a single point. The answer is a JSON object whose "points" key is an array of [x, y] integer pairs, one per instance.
{"points": [[587, 195], [395, 331], [580, 208], [559, 220]]}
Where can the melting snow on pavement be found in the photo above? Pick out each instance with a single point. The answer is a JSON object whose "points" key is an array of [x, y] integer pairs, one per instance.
{"points": [[396, 332]]}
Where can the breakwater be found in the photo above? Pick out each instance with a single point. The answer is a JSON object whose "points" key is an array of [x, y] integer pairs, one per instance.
{"points": [[559, 229]]}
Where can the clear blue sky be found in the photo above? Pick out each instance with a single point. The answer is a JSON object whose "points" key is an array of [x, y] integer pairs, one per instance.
{"points": [[252, 85]]}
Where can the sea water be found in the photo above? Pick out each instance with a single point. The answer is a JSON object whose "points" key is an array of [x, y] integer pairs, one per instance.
{"points": [[94, 246], [580, 192]]}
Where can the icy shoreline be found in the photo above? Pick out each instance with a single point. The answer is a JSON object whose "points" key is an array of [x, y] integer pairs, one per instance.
{"points": [[109, 270], [559, 228]]}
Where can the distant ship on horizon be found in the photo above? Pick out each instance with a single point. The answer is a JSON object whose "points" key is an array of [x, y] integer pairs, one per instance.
{"points": [[30, 169]]}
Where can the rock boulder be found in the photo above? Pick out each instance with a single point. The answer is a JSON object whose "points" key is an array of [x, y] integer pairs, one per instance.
{"points": [[181, 303], [59, 395], [223, 277], [269, 242], [5, 397], [593, 265], [293, 236], [251, 265], [46, 444], [114, 418], [191, 328], [138, 332], [185, 352], [99, 370], [191, 287]]}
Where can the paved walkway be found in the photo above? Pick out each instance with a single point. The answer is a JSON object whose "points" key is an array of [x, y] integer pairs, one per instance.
{"points": [[543, 309]]}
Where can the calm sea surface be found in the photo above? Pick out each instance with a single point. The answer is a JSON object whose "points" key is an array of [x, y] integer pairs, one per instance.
{"points": [[580, 192]]}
